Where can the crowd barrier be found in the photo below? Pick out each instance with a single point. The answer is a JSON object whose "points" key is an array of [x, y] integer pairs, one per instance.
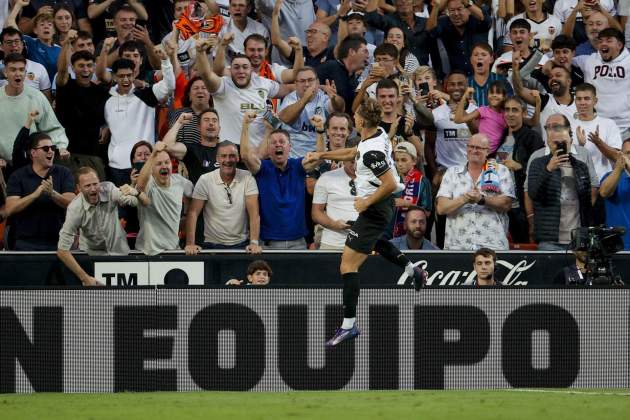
{"points": [[290, 268], [272, 339]]}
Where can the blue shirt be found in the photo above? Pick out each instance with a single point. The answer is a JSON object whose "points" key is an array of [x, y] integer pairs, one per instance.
{"points": [[43, 54], [481, 92], [459, 47], [401, 243], [281, 197], [585, 48], [303, 136], [618, 207]]}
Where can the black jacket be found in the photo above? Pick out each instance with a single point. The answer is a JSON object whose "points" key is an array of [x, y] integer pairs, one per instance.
{"points": [[544, 188]]}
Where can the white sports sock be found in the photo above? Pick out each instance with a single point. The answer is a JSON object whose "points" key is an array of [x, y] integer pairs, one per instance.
{"points": [[348, 323], [409, 269]]}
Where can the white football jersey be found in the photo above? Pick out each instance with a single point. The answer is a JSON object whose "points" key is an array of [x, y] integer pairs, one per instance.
{"points": [[374, 158], [547, 29]]}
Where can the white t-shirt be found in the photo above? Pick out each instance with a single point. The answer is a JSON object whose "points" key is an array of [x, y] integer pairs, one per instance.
{"points": [[225, 217], [36, 76], [553, 107], [333, 189], [563, 8], [451, 139], [232, 102], [608, 132], [252, 27], [159, 221], [547, 29], [374, 158]]}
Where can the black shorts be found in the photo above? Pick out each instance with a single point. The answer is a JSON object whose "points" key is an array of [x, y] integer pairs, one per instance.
{"points": [[370, 226]]}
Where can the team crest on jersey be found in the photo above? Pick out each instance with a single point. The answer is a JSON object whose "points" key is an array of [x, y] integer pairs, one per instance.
{"points": [[30, 76], [261, 93], [552, 30]]}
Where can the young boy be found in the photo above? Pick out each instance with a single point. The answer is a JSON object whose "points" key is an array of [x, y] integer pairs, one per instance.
{"points": [[481, 59], [258, 274], [40, 49], [417, 190]]}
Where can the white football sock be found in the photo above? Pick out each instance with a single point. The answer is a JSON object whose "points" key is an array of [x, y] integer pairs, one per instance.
{"points": [[348, 323]]}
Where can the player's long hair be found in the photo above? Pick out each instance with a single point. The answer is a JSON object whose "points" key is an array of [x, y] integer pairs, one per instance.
{"points": [[371, 112]]}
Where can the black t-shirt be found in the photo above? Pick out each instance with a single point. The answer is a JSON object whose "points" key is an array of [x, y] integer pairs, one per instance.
{"points": [[201, 159], [160, 17], [400, 130], [81, 111], [103, 25], [346, 84], [78, 8], [40, 222]]}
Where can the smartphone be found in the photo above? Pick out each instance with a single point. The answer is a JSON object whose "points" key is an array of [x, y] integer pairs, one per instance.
{"points": [[138, 166], [424, 88], [404, 80], [271, 119], [562, 149]]}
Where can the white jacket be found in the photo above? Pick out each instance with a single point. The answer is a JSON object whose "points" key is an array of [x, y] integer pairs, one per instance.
{"points": [[131, 117]]}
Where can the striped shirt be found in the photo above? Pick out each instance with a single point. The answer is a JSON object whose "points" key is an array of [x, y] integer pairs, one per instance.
{"points": [[481, 92]]}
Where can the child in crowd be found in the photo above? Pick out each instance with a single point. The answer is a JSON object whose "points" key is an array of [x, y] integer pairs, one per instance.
{"points": [[258, 274], [417, 190], [491, 121]]}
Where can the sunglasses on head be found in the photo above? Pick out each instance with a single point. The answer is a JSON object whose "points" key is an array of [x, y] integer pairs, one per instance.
{"points": [[47, 149], [353, 187]]}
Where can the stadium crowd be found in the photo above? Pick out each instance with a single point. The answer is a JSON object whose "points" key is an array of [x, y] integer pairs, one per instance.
{"points": [[169, 124]]}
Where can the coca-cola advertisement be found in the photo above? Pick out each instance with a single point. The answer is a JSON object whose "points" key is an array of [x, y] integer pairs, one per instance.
{"points": [[293, 269]]}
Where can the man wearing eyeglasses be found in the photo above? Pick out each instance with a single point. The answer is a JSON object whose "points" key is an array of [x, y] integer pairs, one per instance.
{"points": [[298, 107], [229, 199], [17, 101], [37, 197], [333, 203], [37, 76], [476, 198], [562, 186]]}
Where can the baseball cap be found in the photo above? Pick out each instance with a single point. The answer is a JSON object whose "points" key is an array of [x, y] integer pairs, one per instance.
{"points": [[406, 147], [353, 14]]}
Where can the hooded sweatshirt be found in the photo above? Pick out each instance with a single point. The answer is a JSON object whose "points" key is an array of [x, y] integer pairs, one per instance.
{"points": [[131, 117], [612, 81]]}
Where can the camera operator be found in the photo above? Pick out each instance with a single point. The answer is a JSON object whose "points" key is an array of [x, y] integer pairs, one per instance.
{"points": [[575, 273]]}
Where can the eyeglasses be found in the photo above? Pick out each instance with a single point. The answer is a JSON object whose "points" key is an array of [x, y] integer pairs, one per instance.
{"points": [[557, 128], [12, 42], [473, 147], [313, 31], [228, 191], [47, 149], [353, 187]]}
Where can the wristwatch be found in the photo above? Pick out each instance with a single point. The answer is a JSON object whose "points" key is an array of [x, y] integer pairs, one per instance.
{"points": [[482, 201]]}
